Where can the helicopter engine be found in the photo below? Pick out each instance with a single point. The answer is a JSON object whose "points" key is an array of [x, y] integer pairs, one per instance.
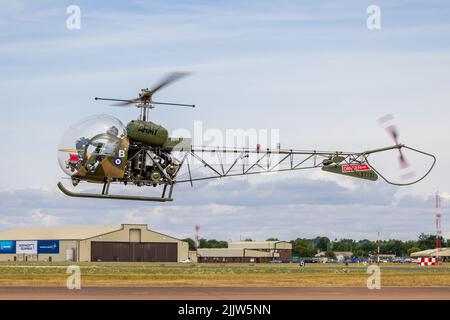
{"points": [[148, 163]]}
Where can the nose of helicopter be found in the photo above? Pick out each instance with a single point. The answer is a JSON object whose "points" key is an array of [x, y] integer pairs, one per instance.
{"points": [[71, 148]]}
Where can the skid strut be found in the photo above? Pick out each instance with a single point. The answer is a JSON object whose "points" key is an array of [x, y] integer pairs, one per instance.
{"points": [[105, 195]]}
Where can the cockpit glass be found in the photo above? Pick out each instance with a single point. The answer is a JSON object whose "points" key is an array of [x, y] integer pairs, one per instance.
{"points": [[96, 136]]}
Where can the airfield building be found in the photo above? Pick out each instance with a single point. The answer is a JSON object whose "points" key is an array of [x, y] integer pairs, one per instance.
{"points": [[124, 243], [442, 252], [283, 248], [248, 251], [340, 255]]}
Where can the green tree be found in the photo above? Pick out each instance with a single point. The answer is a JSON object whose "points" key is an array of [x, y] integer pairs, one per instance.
{"points": [[396, 247], [359, 253], [365, 247], [344, 245], [322, 243], [409, 245], [203, 243], [426, 241], [213, 243], [303, 248], [411, 250], [272, 239]]}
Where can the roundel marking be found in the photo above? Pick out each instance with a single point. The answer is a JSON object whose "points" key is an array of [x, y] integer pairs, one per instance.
{"points": [[117, 161]]}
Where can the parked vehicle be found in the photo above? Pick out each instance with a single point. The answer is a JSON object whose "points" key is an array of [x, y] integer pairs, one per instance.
{"points": [[275, 261], [332, 261], [311, 260]]}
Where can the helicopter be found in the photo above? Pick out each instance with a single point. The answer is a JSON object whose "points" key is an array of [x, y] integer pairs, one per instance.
{"points": [[102, 150]]}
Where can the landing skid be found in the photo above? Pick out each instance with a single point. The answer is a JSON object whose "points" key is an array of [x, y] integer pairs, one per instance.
{"points": [[105, 195]]}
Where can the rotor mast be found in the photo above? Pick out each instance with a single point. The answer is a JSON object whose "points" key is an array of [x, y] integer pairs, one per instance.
{"points": [[144, 110]]}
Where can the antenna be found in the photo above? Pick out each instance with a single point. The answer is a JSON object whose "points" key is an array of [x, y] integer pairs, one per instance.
{"points": [[197, 237], [378, 247], [438, 223]]}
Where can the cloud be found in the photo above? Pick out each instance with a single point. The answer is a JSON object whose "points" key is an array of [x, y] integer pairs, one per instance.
{"points": [[43, 219], [236, 208]]}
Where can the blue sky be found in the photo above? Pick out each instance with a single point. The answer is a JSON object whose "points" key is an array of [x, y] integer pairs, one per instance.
{"points": [[310, 69]]}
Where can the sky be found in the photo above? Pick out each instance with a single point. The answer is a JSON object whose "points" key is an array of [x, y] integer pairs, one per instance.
{"points": [[311, 70]]}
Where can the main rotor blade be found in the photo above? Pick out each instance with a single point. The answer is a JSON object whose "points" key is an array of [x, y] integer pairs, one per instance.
{"points": [[171, 77], [128, 103], [173, 104], [120, 100]]}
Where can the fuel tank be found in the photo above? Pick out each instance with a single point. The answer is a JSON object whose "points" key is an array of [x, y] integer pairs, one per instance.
{"points": [[147, 132]]}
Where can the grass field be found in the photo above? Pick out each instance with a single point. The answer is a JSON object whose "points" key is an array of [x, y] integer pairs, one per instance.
{"points": [[172, 274]]}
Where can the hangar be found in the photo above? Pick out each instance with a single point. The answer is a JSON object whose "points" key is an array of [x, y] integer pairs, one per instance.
{"points": [[124, 243], [282, 249], [442, 252], [248, 251], [225, 255]]}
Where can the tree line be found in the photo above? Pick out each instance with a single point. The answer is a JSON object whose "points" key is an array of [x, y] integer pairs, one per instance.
{"points": [[304, 247], [363, 248]]}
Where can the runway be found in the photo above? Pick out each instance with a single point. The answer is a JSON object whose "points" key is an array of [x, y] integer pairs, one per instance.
{"points": [[224, 293]]}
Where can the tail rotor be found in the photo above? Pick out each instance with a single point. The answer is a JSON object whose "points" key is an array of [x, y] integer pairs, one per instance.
{"points": [[394, 133]]}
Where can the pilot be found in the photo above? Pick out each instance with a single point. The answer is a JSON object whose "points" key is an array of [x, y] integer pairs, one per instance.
{"points": [[80, 144], [113, 131]]}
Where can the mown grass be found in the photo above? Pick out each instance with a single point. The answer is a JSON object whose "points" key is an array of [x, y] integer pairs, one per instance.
{"points": [[157, 274]]}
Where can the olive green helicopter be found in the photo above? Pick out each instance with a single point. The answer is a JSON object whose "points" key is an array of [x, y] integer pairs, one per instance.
{"points": [[102, 150]]}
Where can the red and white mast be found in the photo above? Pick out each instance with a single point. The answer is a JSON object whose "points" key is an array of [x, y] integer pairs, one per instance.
{"points": [[197, 237], [438, 224], [378, 248]]}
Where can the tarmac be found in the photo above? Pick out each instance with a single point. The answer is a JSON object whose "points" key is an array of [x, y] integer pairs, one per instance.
{"points": [[224, 293]]}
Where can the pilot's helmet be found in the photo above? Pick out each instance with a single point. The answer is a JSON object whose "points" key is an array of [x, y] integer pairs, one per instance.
{"points": [[113, 131], [81, 143]]}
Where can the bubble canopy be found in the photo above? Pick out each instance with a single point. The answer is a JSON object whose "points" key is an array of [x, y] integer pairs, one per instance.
{"points": [[74, 141]]}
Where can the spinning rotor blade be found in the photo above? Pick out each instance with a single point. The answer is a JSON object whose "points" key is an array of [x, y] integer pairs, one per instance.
{"points": [[122, 101], [392, 129], [168, 79], [403, 162], [393, 132], [127, 103], [145, 97]]}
